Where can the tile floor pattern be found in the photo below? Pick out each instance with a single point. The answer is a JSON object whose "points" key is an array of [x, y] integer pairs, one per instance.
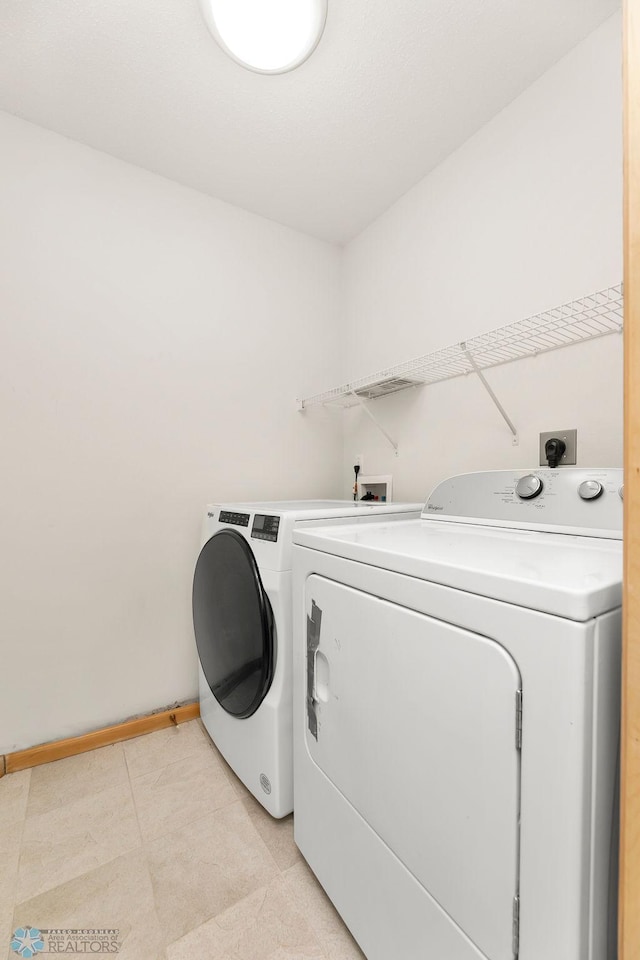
{"points": [[157, 837]]}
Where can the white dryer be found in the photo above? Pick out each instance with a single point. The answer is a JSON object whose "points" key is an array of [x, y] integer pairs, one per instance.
{"points": [[456, 719], [242, 622]]}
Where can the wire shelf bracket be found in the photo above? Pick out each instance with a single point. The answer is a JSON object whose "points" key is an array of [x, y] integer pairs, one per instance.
{"points": [[596, 315], [483, 380], [377, 423]]}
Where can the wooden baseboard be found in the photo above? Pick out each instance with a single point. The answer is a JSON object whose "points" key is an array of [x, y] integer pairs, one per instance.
{"points": [[58, 749]]}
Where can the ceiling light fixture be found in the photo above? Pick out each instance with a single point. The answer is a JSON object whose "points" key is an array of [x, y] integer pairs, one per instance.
{"points": [[268, 36]]}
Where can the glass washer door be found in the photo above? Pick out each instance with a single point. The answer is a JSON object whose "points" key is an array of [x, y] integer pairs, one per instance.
{"points": [[233, 624]]}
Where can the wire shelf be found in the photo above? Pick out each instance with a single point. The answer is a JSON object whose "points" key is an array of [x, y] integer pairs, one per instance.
{"points": [[596, 315]]}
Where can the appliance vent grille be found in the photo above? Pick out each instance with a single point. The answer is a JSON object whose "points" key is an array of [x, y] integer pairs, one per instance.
{"points": [[265, 783], [383, 388]]}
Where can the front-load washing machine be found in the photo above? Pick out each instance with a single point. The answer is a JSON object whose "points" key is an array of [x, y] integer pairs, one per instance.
{"points": [[456, 719], [242, 621]]}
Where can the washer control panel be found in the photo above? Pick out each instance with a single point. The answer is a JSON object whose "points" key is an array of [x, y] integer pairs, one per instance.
{"points": [[584, 502], [239, 519], [265, 527]]}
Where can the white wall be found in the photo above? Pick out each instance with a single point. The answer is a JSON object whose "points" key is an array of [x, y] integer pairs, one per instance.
{"points": [[153, 342], [524, 216]]}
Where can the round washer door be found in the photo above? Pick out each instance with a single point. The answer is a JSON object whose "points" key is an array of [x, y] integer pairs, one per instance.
{"points": [[233, 624]]}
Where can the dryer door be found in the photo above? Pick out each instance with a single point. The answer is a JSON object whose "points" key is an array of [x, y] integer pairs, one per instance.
{"points": [[233, 624], [414, 721]]}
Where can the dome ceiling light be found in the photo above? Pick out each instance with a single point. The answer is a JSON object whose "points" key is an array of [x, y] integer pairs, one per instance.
{"points": [[268, 36]]}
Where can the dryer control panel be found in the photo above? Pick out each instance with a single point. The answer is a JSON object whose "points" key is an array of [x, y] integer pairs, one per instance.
{"points": [[265, 527], [585, 502], [239, 519]]}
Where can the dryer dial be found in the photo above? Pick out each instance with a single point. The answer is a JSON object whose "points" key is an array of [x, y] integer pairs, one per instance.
{"points": [[590, 490], [529, 487]]}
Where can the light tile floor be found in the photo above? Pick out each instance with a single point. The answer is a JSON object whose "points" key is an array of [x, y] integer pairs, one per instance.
{"points": [[157, 837]]}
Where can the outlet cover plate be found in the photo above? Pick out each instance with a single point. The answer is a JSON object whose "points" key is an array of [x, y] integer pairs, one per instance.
{"points": [[570, 437]]}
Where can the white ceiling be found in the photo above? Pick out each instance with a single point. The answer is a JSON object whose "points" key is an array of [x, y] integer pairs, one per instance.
{"points": [[393, 87]]}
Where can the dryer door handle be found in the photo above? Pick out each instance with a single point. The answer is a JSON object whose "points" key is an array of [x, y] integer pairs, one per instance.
{"points": [[313, 642], [321, 674]]}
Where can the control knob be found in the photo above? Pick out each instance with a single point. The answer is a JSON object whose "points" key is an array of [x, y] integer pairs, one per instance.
{"points": [[590, 490], [529, 487]]}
